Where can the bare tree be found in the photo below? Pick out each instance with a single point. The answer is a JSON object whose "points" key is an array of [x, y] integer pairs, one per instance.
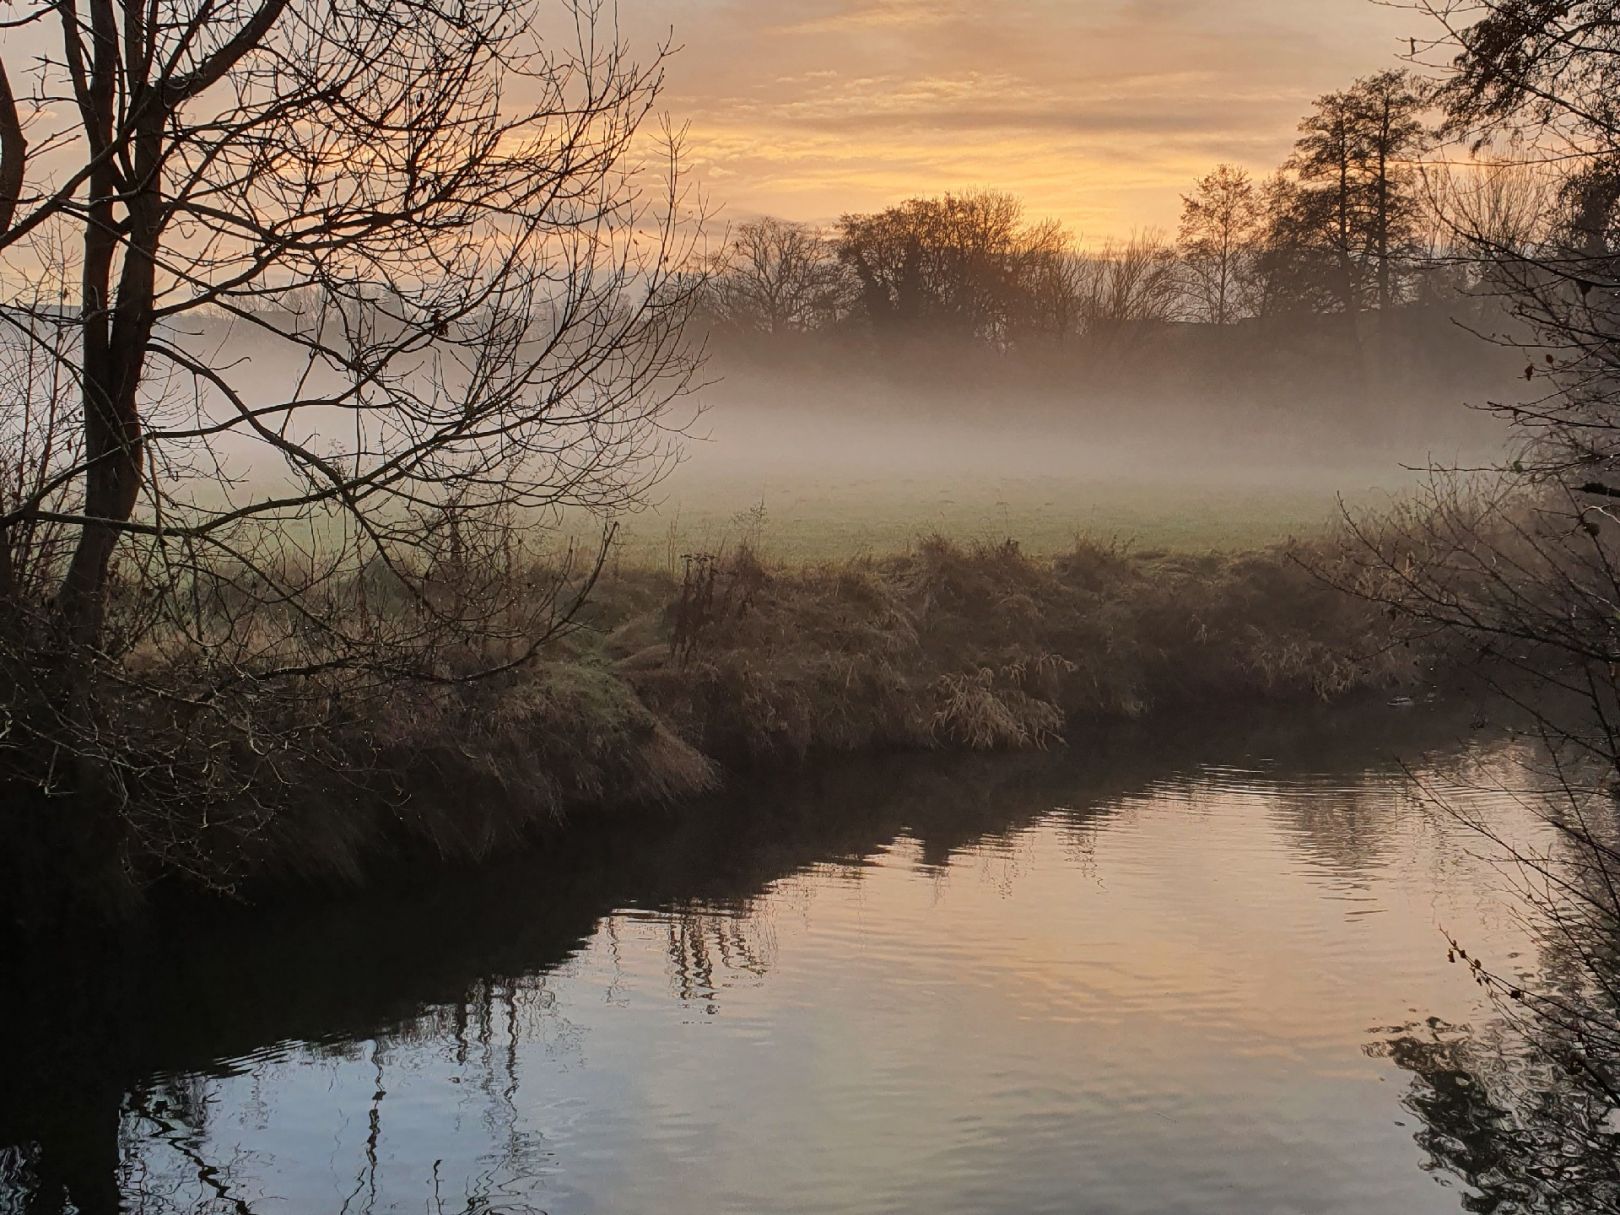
{"points": [[1355, 198], [1327, 164], [1129, 284], [1290, 271], [40, 437], [1388, 107], [777, 277], [1504, 206], [1522, 572], [347, 295], [967, 264], [1047, 300], [1220, 220]]}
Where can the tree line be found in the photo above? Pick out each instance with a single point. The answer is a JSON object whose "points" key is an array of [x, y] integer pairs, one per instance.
{"points": [[1345, 227]]}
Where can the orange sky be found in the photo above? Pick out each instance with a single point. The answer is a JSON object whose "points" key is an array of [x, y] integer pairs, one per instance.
{"points": [[1098, 112]]}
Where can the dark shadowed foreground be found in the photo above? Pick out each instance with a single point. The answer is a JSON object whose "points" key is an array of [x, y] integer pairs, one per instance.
{"points": [[1198, 970]]}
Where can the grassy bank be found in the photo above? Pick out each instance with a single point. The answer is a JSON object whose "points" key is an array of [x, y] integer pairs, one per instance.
{"points": [[675, 681]]}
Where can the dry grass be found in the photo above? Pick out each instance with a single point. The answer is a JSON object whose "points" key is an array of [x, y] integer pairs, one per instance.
{"points": [[983, 647], [675, 679]]}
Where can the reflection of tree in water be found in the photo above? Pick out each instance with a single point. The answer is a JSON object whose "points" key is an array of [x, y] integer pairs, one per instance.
{"points": [[465, 971], [1351, 825], [488, 1028], [170, 1163], [1518, 1135], [1560, 1082], [1527, 1112], [170, 1116], [19, 1177], [1345, 830], [739, 939]]}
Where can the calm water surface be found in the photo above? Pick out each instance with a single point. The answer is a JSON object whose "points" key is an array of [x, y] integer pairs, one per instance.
{"points": [[1161, 976]]}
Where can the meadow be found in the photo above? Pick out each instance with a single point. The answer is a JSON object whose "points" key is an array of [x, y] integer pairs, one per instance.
{"points": [[794, 517]]}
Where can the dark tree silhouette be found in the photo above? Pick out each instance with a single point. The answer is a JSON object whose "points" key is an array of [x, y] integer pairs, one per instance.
{"points": [[1522, 571], [1327, 163], [1219, 223], [312, 304], [1353, 196], [963, 264], [1388, 108], [1546, 1157], [1128, 286], [777, 277]]}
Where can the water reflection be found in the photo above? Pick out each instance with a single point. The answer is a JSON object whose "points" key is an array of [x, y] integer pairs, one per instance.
{"points": [[1550, 1154], [1136, 979], [1524, 1108]]}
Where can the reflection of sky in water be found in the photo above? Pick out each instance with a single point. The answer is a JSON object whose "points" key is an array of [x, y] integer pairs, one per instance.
{"points": [[1160, 1006]]}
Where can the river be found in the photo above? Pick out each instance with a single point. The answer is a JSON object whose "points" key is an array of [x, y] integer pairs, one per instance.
{"points": [[1166, 970]]}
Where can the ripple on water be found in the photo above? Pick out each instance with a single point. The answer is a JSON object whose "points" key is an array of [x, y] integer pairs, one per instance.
{"points": [[1153, 1000]]}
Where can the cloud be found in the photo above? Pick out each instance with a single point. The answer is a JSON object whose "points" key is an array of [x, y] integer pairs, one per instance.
{"points": [[1098, 112], [861, 15]]}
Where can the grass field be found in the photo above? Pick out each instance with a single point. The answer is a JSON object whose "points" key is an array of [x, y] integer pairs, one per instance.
{"points": [[797, 518]]}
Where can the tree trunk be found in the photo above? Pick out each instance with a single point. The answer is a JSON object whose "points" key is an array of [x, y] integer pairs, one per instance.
{"points": [[116, 333], [116, 326], [1385, 294]]}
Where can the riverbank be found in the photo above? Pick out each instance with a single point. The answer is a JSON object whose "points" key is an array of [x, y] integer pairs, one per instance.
{"points": [[676, 680]]}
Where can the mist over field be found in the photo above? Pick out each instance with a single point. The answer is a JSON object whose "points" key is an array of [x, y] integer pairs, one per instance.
{"points": [[827, 452], [812, 447], [822, 450]]}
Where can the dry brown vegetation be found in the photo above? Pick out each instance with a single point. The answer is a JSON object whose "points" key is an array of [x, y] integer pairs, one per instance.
{"points": [[672, 678], [983, 647]]}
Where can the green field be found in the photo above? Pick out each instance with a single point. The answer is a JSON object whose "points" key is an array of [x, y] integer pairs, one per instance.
{"points": [[798, 519]]}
